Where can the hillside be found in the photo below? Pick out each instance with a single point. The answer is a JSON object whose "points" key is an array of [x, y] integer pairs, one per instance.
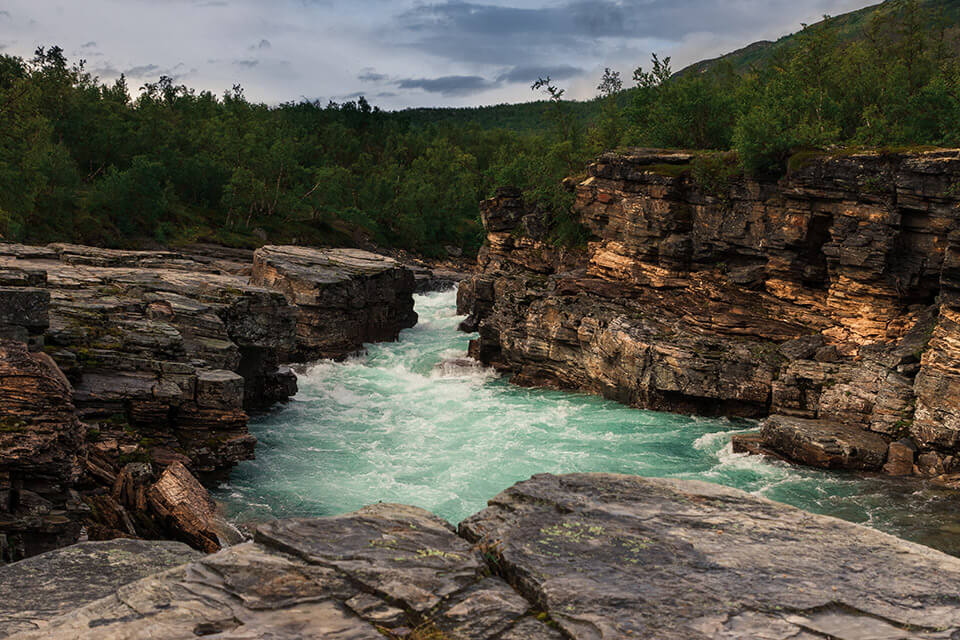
{"points": [[847, 27]]}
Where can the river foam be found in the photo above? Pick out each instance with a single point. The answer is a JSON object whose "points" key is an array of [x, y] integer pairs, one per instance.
{"points": [[416, 422]]}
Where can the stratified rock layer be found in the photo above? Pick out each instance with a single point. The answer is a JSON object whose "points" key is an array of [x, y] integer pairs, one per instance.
{"points": [[586, 556], [41, 455], [166, 351], [162, 354], [344, 297], [830, 295]]}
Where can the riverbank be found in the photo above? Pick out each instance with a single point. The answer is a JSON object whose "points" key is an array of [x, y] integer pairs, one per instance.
{"points": [[127, 375], [827, 299]]}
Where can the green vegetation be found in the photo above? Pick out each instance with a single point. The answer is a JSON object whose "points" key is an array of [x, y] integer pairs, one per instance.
{"points": [[885, 76], [83, 161]]}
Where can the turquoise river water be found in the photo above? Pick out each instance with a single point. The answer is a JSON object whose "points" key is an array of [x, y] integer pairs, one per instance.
{"points": [[407, 423]]}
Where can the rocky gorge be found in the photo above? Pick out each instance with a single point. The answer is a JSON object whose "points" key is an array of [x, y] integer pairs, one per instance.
{"points": [[127, 375], [825, 301], [821, 304]]}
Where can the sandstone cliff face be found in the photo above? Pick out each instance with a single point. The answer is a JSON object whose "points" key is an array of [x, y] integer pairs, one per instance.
{"points": [[584, 556], [830, 295]]}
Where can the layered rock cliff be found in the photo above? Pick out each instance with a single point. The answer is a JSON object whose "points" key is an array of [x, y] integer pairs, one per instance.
{"points": [[344, 297], [585, 556], [829, 298], [146, 367]]}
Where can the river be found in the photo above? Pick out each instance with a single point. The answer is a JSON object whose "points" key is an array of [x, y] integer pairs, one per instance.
{"points": [[403, 423]]}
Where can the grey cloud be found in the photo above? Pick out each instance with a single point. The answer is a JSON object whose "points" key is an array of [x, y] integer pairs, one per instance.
{"points": [[527, 74], [499, 34], [107, 70], [249, 64], [369, 75], [448, 85], [88, 45], [5, 14], [263, 44], [142, 70], [155, 71]]}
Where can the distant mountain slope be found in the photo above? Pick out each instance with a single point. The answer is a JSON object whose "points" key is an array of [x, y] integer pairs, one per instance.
{"points": [[848, 26]]}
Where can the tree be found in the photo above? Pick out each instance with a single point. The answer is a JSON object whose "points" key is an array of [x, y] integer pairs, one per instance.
{"points": [[609, 129]]}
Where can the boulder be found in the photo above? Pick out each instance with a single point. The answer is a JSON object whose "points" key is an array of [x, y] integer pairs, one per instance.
{"points": [[344, 297], [828, 445], [900, 457], [185, 508]]}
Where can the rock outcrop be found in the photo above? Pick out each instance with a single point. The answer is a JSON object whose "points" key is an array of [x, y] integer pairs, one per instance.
{"points": [[344, 297], [827, 296], [35, 590], [41, 455], [586, 556], [166, 352], [163, 357]]}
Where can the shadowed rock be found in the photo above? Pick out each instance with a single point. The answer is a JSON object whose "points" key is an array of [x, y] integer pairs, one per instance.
{"points": [[35, 590], [40, 455], [344, 297]]}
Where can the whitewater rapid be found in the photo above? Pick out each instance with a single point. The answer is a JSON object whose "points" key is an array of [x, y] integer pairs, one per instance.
{"points": [[415, 422]]}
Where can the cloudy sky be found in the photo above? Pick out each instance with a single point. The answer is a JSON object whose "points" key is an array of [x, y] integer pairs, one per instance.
{"points": [[398, 53]]}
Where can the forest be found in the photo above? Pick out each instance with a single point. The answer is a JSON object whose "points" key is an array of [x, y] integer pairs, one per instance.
{"points": [[106, 164]]}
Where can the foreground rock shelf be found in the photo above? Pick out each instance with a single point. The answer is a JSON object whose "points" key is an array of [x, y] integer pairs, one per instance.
{"points": [[124, 374], [584, 556], [830, 296]]}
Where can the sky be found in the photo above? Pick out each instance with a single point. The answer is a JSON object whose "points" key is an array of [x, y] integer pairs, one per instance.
{"points": [[397, 53]]}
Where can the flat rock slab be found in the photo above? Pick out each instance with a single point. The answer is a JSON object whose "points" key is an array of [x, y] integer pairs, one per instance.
{"points": [[35, 590], [827, 445], [379, 572], [613, 557]]}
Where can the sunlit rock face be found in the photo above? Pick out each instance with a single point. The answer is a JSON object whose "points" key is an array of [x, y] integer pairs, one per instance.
{"points": [[830, 295]]}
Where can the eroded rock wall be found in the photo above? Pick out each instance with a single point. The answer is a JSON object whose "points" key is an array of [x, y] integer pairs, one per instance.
{"points": [[126, 375], [829, 295]]}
